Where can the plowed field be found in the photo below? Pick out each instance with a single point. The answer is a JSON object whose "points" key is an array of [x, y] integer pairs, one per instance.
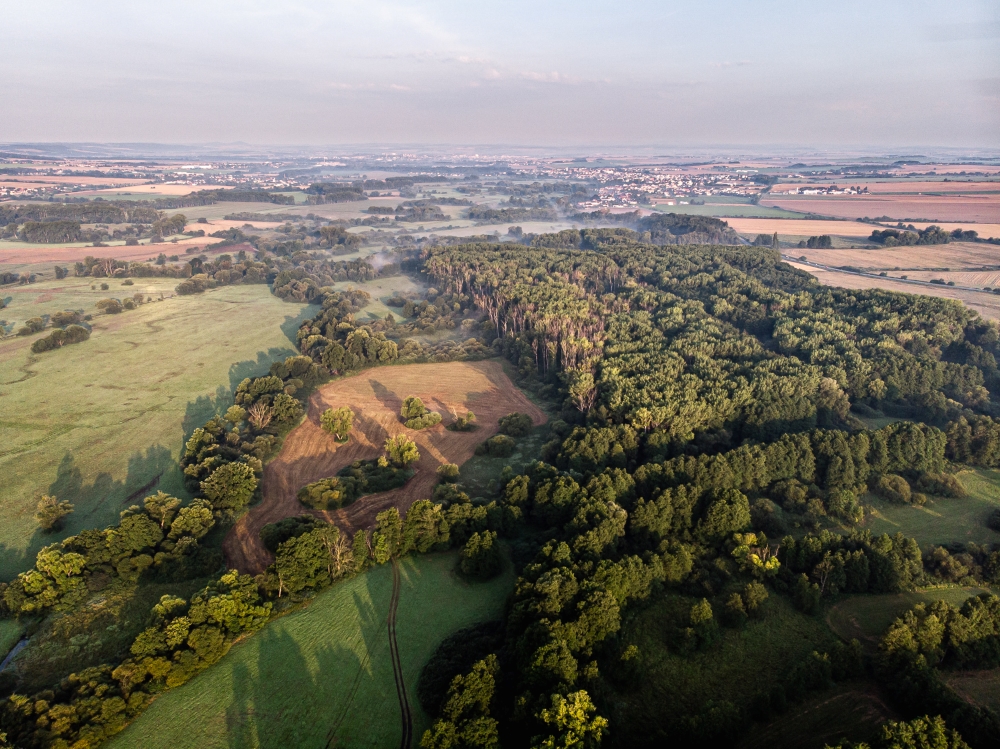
{"points": [[375, 396]]}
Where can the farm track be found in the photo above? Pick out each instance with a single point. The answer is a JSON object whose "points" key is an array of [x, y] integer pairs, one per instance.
{"points": [[397, 666], [375, 395]]}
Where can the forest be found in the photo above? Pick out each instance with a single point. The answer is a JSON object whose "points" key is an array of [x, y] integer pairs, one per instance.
{"points": [[720, 425]]}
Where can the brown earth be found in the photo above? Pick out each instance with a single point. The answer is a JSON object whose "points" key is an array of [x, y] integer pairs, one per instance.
{"points": [[978, 208], [901, 186], [376, 395]]}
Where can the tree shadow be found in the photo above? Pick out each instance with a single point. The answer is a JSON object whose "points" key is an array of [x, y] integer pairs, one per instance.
{"points": [[300, 699], [386, 397], [290, 327]]}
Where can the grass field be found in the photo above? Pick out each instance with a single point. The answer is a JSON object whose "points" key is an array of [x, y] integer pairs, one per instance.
{"points": [[323, 673], [101, 423], [981, 688], [10, 632], [674, 684], [851, 711], [943, 520], [728, 210], [866, 618]]}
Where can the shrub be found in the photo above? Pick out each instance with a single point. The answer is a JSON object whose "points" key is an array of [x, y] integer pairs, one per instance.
{"points": [[64, 318], [500, 446], [481, 557], [448, 472], [60, 337], [515, 424], [50, 513], [940, 484], [464, 423], [427, 420], [401, 450], [109, 306], [31, 326], [893, 488], [329, 494]]}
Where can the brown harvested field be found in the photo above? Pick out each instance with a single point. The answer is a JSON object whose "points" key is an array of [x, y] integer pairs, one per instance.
{"points": [[987, 305], [150, 190], [977, 208], [902, 186], [800, 227], [21, 253], [62, 180], [376, 395], [956, 256]]}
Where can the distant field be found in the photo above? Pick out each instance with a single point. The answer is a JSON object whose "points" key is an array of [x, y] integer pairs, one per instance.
{"points": [[99, 422], [955, 256], [944, 520], [987, 305], [725, 211], [979, 208], [145, 192], [901, 186], [671, 684], [40, 258], [801, 227], [866, 618], [322, 676]]}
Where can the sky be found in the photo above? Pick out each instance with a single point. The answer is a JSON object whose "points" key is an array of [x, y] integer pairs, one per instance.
{"points": [[811, 73]]}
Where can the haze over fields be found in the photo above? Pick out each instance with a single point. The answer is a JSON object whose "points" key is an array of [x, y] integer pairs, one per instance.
{"points": [[494, 375]]}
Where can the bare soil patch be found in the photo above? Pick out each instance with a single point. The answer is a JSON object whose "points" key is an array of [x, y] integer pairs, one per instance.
{"points": [[375, 396], [978, 208]]}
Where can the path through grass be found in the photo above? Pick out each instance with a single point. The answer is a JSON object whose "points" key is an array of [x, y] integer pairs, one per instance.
{"points": [[324, 671]]}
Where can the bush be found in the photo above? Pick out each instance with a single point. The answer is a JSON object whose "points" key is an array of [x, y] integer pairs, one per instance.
{"points": [[275, 534], [59, 337], [64, 318], [515, 424], [360, 478], [329, 494], [50, 513], [31, 326], [500, 446], [422, 422], [401, 450], [893, 488], [109, 306], [481, 557], [464, 423], [941, 485], [448, 472]]}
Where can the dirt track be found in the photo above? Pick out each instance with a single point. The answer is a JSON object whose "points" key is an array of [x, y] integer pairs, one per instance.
{"points": [[376, 395]]}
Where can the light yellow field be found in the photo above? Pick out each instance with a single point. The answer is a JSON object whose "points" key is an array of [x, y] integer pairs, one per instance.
{"points": [[800, 228], [955, 256]]}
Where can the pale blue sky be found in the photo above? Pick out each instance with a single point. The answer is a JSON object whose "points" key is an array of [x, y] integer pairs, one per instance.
{"points": [[796, 72]]}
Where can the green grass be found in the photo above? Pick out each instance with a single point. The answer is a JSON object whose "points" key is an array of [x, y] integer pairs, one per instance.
{"points": [[324, 671], [10, 633], [851, 711], [981, 688], [944, 520], [734, 668], [723, 211], [101, 423], [867, 617]]}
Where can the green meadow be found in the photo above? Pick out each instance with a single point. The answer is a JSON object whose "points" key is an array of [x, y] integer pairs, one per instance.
{"points": [[101, 423], [322, 675]]}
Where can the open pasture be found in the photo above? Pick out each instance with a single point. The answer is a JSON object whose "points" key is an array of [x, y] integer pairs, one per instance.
{"points": [[866, 618], [376, 395], [101, 423], [975, 208], [322, 676], [980, 688], [943, 519], [726, 211]]}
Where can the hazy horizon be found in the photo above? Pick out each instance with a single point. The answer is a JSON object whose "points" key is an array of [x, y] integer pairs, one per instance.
{"points": [[645, 75]]}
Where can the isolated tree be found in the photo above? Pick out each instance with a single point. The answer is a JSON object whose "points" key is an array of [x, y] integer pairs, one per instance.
{"points": [[50, 513], [337, 421], [401, 451], [229, 487], [413, 408]]}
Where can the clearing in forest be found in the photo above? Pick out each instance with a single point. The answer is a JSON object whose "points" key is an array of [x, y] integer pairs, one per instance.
{"points": [[323, 675], [376, 396]]}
